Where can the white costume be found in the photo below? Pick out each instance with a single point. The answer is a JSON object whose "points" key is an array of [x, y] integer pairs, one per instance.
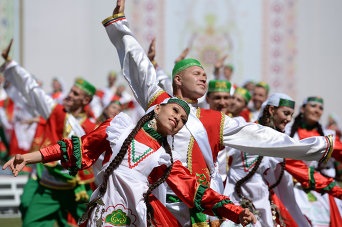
{"points": [[129, 181], [250, 137]]}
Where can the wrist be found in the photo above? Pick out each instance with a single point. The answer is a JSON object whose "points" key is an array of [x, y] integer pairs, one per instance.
{"points": [[154, 63], [118, 15]]}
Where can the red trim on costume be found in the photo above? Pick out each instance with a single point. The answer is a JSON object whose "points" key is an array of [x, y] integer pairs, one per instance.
{"points": [[51, 153], [159, 99]]}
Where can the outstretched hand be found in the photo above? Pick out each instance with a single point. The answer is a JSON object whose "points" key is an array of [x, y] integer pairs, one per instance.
{"points": [[120, 7], [183, 54], [16, 164], [5, 52], [152, 50], [220, 61], [246, 217]]}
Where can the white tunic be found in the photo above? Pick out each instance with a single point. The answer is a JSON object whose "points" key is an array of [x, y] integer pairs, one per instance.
{"points": [[128, 182], [254, 189], [252, 138]]}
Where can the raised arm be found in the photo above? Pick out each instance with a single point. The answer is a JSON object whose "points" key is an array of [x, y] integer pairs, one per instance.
{"points": [[218, 65], [31, 93], [136, 66], [261, 140]]}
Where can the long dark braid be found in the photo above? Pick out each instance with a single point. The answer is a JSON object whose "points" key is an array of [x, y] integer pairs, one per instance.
{"points": [[120, 156], [117, 160], [264, 120], [245, 202], [150, 212], [283, 163], [243, 180], [297, 122]]}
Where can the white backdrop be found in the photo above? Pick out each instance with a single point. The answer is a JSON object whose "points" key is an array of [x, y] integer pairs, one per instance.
{"points": [[295, 46]]}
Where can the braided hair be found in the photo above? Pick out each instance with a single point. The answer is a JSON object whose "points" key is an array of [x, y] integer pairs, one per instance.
{"points": [[265, 119], [243, 180], [146, 195], [117, 161]]}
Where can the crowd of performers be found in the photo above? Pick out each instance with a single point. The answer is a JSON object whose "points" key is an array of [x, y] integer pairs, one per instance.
{"points": [[183, 151]]}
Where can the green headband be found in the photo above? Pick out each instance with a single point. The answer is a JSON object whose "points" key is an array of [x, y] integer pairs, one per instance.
{"points": [[219, 85], [244, 93], [184, 64], [314, 99], [264, 85], [181, 103], [85, 86], [286, 102], [230, 66]]}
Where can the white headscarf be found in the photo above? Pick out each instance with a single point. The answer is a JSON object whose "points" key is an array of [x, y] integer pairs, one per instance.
{"points": [[274, 100]]}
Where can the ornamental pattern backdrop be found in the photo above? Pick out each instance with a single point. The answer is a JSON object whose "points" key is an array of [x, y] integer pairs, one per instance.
{"points": [[259, 37], [279, 44], [9, 20]]}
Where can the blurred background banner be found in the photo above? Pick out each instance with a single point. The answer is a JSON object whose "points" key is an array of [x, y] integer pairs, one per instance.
{"points": [[10, 25]]}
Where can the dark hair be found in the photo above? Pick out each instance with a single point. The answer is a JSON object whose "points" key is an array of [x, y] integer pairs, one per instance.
{"points": [[266, 116], [298, 122], [150, 212], [117, 161], [249, 175]]}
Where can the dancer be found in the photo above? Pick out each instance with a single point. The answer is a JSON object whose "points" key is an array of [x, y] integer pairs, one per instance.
{"points": [[124, 194], [197, 151]]}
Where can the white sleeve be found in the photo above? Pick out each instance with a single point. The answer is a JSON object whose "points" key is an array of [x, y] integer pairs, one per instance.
{"points": [[34, 95], [136, 67], [164, 81], [261, 140]]}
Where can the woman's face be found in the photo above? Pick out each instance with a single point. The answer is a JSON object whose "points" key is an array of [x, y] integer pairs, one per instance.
{"points": [[112, 110], [170, 118], [312, 112], [281, 117]]}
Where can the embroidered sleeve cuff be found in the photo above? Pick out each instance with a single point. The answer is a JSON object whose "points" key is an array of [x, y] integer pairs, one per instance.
{"points": [[198, 198], [77, 156], [329, 149], [329, 187], [113, 19], [51, 153], [336, 191], [227, 209]]}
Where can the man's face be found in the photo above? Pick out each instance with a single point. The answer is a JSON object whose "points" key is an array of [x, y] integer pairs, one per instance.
{"points": [[111, 80], [227, 72], [259, 96], [219, 101], [238, 104], [192, 82], [75, 99]]}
